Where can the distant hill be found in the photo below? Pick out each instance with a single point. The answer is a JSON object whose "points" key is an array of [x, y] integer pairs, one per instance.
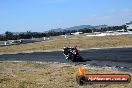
{"points": [[70, 28], [80, 27], [73, 28], [57, 30]]}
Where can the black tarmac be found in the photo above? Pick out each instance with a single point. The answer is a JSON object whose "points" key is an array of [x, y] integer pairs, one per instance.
{"points": [[112, 57]]}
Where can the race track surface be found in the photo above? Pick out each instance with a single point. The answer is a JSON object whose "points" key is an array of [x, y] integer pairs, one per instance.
{"points": [[119, 57]]}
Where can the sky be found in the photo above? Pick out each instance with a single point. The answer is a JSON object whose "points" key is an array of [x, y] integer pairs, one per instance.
{"points": [[43, 15]]}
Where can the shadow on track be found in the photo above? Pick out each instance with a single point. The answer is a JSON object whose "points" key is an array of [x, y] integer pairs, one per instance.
{"points": [[81, 59]]}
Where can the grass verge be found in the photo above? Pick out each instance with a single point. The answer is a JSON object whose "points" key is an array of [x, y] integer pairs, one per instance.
{"points": [[33, 75], [80, 41]]}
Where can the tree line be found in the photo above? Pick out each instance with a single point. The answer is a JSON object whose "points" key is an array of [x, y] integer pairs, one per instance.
{"points": [[28, 35]]}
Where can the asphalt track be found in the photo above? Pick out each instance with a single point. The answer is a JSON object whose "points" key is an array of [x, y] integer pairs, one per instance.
{"points": [[118, 57]]}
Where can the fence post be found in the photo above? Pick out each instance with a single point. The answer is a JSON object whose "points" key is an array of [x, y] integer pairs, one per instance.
{"points": [[44, 38], [5, 43]]}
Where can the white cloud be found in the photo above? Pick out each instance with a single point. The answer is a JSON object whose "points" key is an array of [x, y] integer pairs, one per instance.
{"points": [[113, 17]]}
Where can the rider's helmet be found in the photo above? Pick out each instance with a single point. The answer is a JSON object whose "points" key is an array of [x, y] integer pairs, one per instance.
{"points": [[64, 47]]}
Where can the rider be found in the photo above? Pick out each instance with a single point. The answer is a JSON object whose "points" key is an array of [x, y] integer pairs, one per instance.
{"points": [[69, 51]]}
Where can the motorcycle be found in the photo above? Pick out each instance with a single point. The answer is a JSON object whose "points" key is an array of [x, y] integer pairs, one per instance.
{"points": [[72, 54]]}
